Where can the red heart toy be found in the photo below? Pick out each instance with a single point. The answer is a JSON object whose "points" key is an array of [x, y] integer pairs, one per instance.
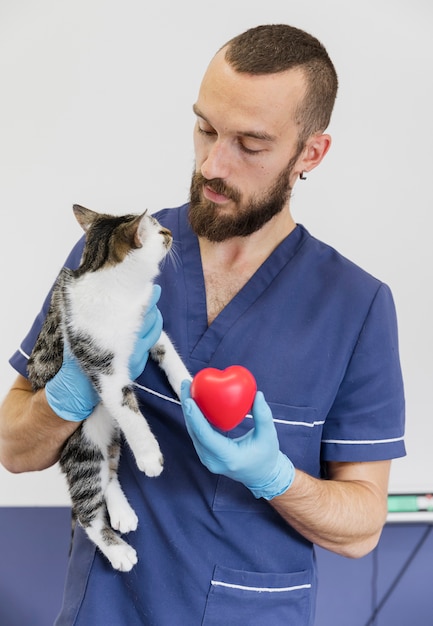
{"points": [[224, 396]]}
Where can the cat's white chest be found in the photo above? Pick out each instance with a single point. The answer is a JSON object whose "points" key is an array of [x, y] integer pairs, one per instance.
{"points": [[108, 305]]}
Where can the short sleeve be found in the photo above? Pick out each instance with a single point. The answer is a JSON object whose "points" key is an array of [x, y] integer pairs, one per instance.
{"points": [[19, 359], [366, 421]]}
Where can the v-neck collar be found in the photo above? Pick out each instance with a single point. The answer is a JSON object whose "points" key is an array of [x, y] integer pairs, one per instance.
{"points": [[203, 340]]}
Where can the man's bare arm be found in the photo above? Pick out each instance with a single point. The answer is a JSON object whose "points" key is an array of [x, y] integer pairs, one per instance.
{"points": [[344, 514], [31, 434]]}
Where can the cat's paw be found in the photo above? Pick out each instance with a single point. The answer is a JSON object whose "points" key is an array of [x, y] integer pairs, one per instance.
{"points": [[123, 519], [151, 463], [122, 557], [149, 458]]}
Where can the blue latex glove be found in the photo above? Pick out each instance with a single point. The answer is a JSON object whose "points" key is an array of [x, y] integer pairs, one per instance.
{"points": [[255, 459], [70, 392]]}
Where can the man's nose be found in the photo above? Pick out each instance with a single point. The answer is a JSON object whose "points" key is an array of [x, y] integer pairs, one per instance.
{"points": [[217, 161]]}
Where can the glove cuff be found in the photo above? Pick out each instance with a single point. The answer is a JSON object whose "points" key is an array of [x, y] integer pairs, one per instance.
{"points": [[281, 481]]}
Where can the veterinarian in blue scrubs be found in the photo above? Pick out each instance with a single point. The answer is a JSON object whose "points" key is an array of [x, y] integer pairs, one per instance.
{"points": [[226, 533]]}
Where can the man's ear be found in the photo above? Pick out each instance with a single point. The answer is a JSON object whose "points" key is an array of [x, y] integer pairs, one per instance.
{"points": [[315, 149]]}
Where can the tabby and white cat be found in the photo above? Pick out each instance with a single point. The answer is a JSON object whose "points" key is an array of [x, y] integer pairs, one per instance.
{"points": [[98, 309]]}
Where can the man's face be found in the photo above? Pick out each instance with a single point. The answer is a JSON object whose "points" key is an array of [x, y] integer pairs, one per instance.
{"points": [[246, 144]]}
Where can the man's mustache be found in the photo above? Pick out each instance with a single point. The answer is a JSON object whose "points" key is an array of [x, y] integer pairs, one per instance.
{"points": [[219, 186]]}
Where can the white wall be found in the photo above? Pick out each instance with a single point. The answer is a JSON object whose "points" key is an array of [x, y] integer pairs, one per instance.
{"points": [[95, 108]]}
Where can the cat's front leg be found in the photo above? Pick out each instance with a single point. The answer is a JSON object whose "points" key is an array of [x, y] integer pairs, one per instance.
{"points": [[168, 359], [147, 452], [123, 407]]}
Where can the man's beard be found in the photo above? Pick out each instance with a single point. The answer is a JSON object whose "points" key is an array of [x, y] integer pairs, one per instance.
{"points": [[207, 219]]}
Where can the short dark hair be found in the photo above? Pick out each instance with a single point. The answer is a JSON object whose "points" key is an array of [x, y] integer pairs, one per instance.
{"points": [[275, 48]]}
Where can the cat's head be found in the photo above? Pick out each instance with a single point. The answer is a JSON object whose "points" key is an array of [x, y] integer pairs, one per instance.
{"points": [[110, 239]]}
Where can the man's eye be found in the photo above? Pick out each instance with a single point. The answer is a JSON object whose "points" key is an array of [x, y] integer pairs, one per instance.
{"points": [[247, 150], [204, 131]]}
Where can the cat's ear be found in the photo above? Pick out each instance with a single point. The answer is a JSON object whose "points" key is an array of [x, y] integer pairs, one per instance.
{"points": [[85, 217], [139, 226]]}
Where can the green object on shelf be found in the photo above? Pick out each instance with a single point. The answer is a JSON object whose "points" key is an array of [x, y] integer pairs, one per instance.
{"points": [[409, 503]]}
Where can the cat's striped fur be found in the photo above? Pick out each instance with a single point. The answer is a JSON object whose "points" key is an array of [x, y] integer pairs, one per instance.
{"points": [[98, 309]]}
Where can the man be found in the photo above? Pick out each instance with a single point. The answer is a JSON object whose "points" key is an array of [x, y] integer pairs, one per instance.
{"points": [[226, 532]]}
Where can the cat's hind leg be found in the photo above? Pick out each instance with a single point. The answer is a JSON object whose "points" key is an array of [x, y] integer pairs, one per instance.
{"points": [[121, 555], [85, 462], [122, 516], [164, 353]]}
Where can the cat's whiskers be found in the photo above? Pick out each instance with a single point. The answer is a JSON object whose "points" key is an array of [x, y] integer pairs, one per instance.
{"points": [[173, 256]]}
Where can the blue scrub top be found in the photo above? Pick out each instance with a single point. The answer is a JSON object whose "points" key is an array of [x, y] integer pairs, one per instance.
{"points": [[320, 336]]}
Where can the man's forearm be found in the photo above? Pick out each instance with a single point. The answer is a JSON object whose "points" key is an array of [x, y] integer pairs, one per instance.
{"points": [[345, 514], [31, 434]]}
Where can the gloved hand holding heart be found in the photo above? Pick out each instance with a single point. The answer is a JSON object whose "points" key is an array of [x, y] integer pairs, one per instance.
{"points": [[224, 396]]}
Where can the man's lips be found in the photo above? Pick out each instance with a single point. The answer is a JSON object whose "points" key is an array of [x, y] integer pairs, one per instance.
{"points": [[211, 195]]}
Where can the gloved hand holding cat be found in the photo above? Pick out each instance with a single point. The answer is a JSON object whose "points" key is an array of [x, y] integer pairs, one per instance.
{"points": [[255, 459], [71, 394]]}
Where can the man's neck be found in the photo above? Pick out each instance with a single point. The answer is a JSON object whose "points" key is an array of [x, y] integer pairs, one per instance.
{"points": [[228, 265]]}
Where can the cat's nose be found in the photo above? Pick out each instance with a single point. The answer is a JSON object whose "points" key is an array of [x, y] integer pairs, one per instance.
{"points": [[168, 237]]}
